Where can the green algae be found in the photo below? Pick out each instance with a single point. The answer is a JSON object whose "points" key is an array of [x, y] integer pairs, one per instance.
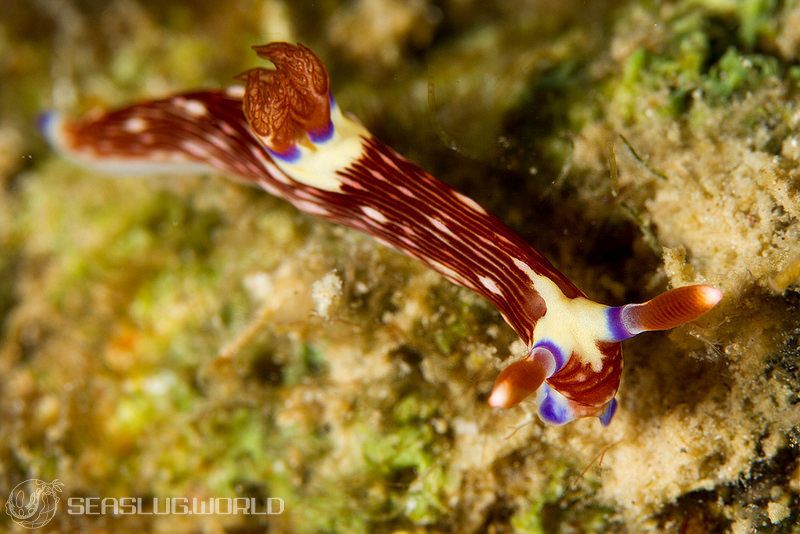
{"points": [[159, 335], [544, 511]]}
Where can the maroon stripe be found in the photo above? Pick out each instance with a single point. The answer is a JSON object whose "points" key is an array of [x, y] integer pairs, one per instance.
{"points": [[480, 244]]}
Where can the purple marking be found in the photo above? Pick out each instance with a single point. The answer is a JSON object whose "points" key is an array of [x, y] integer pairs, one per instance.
{"points": [[290, 156], [558, 354], [43, 122], [616, 327], [320, 136], [608, 413], [553, 410]]}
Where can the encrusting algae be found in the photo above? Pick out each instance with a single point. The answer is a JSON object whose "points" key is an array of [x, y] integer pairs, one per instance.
{"points": [[161, 336]]}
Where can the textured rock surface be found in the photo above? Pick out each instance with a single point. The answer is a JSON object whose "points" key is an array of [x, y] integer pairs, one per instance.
{"points": [[160, 338]]}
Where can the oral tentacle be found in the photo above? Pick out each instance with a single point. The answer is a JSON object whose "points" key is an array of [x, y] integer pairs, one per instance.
{"points": [[666, 311], [522, 378], [608, 413], [554, 408]]}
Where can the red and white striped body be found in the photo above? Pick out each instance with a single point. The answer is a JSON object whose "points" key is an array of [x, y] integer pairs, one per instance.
{"points": [[282, 133]]}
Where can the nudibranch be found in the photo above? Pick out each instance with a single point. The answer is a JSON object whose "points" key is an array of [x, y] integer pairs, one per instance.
{"points": [[283, 131]]}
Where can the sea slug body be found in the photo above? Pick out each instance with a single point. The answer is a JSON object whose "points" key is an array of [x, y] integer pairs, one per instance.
{"points": [[283, 131]]}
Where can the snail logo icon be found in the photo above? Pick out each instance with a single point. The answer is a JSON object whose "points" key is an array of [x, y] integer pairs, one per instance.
{"points": [[33, 502]]}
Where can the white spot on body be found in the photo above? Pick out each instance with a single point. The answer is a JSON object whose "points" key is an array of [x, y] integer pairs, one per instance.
{"points": [[257, 153], [134, 125], [219, 142], [390, 162], [408, 230], [409, 244], [194, 148], [267, 186], [195, 108], [304, 193], [355, 184], [464, 199], [279, 175], [504, 239], [489, 284], [441, 227], [407, 192], [217, 162], [525, 268], [449, 273], [383, 242], [374, 214], [491, 241], [235, 91], [310, 207], [227, 128]]}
